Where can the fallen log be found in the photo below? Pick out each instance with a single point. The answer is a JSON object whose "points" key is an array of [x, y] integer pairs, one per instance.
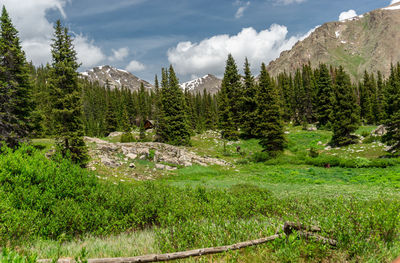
{"points": [[288, 229]]}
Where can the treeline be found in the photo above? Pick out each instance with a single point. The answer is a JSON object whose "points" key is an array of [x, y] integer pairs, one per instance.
{"points": [[53, 101], [325, 96], [107, 109]]}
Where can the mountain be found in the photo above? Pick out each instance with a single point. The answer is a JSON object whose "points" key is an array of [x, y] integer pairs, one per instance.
{"points": [[209, 82], [117, 78], [366, 42]]}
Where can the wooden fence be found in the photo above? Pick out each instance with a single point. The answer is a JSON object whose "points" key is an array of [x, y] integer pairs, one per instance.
{"points": [[288, 228]]}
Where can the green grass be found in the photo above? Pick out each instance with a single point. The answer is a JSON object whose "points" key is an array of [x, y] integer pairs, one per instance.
{"points": [[197, 206], [122, 245]]}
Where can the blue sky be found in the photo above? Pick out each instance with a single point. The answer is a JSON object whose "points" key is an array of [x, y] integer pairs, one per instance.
{"points": [[195, 36]]}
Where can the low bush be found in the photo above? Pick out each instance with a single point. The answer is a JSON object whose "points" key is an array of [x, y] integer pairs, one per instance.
{"points": [[358, 162], [127, 137]]}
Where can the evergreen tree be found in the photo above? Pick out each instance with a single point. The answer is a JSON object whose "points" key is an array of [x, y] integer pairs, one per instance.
{"points": [[66, 96], [174, 128], [392, 137], [380, 115], [368, 98], [228, 101], [15, 86], [325, 96], [270, 125], [345, 111], [249, 103], [110, 120]]}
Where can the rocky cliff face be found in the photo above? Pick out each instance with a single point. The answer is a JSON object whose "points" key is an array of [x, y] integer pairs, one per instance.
{"points": [[209, 82], [366, 42], [117, 78]]}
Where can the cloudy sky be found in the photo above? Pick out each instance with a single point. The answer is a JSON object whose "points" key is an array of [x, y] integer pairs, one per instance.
{"points": [[195, 36]]}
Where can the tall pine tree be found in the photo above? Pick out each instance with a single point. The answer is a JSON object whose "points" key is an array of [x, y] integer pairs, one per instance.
{"points": [[249, 103], [15, 87], [269, 123], [325, 96], [228, 101], [173, 127], [66, 92], [345, 111], [392, 137]]}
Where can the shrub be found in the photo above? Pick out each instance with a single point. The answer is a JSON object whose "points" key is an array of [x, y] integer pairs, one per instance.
{"points": [[260, 157], [313, 153], [9, 256], [127, 137]]}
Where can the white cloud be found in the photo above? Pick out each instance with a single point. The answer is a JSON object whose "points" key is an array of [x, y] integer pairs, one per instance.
{"points": [[347, 14], [288, 2], [88, 54], [210, 54], [241, 9], [36, 31], [135, 66], [120, 54], [394, 2]]}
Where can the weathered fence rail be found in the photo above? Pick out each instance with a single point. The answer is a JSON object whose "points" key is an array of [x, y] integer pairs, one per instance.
{"points": [[288, 228]]}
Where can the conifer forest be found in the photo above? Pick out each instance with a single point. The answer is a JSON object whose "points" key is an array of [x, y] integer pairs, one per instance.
{"points": [[91, 171]]}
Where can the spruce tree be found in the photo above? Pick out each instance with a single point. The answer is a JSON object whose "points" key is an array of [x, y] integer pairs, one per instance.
{"points": [[392, 123], [66, 92], [249, 103], [380, 115], [15, 86], [228, 101], [325, 97], [269, 121], [345, 111], [110, 119], [174, 128]]}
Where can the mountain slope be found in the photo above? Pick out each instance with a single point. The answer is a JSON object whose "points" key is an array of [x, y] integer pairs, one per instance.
{"points": [[209, 82], [117, 78], [367, 42]]}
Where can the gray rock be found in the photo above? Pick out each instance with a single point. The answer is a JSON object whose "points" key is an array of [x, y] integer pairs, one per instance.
{"points": [[131, 156], [380, 131]]}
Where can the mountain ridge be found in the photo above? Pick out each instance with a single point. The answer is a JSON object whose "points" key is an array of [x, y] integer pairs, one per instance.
{"points": [[117, 78], [365, 42]]}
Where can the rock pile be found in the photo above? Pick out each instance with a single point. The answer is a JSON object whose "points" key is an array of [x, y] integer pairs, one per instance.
{"points": [[111, 154]]}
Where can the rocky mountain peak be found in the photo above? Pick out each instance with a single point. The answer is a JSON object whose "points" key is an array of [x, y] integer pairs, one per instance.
{"points": [[209, 82], [365, 42], [117, 78]]}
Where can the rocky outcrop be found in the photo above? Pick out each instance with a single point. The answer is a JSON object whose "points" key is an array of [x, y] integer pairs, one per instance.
{"points": [[110, 154]]}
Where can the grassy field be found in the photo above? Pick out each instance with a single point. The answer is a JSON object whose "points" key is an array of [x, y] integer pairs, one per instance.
{"points": [[355, 201]]}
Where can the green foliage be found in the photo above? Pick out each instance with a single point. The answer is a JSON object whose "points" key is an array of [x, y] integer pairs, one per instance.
{"points": [[127, 137], [65, 93], [249, 104], [15, 86], [10, 256], [260, 157], [313, 153], [228, 102], [325, 97], [345, 111], [269, 123], [173, 127]]}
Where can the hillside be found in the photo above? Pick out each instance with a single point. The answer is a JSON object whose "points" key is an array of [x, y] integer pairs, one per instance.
{"points": [[366, 42], [117, 78]]}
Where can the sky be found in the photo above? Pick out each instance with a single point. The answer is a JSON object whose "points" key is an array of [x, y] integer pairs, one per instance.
{"points": [[195, 36]]}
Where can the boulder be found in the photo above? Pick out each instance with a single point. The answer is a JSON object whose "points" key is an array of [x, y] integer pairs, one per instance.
{"points": [[380, 131], [131, 156]]}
